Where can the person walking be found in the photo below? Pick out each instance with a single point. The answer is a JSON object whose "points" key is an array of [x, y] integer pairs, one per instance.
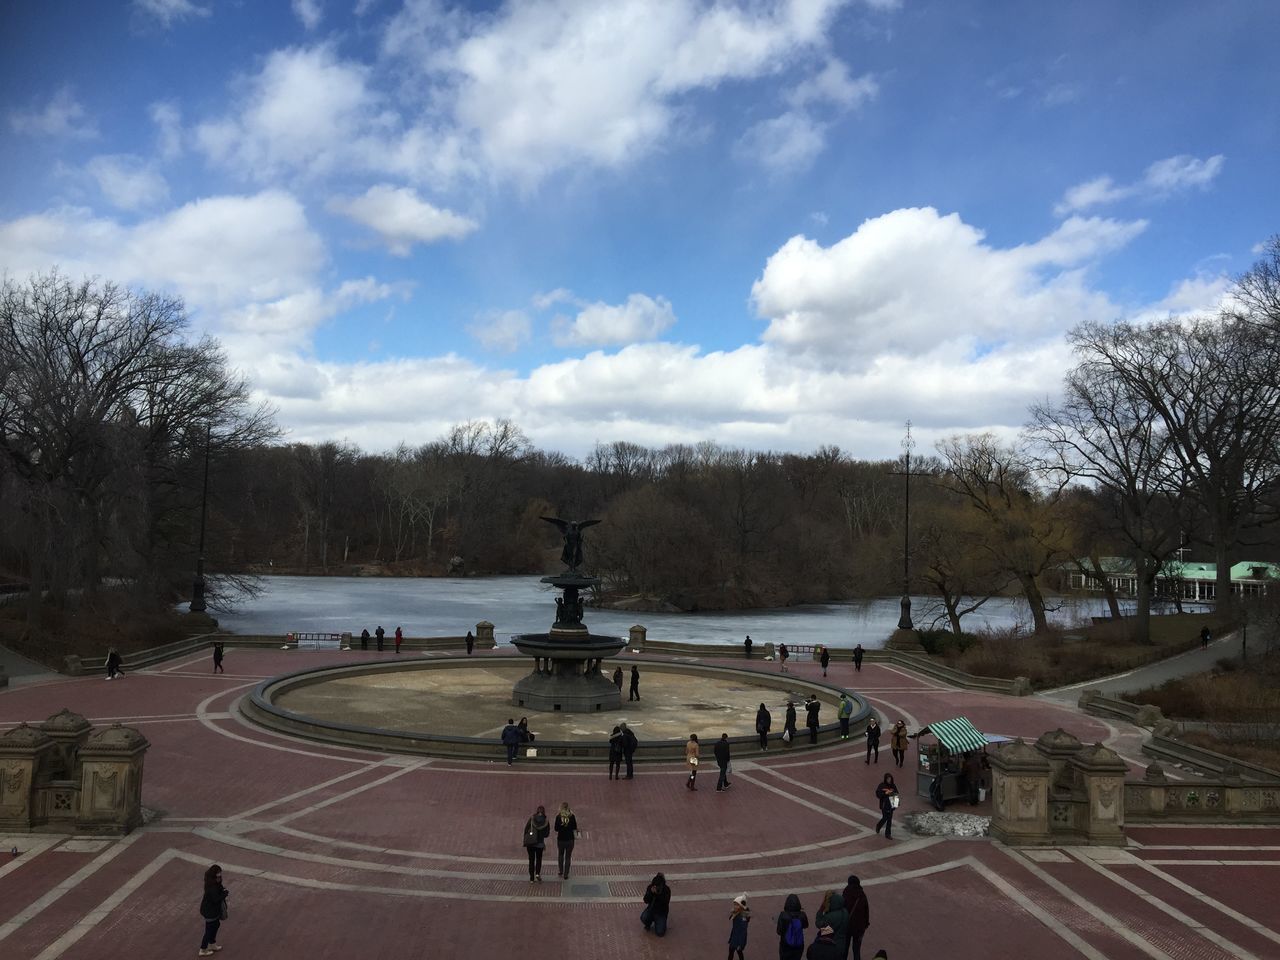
{"points": [[782, 656], [746, 645], [857, 658], [471, 643], [566, 834], [812, 708], [615, 754], [764, 720], [536, 830], [887, 794], [219, 651], [1205, 637], [789, 724], [739, 917], [617, 679], [899, 740], [399, 639], [843, 713], [657, 899], [511, 739], [114, 663], [792, 923], [634, 692], [721, 751], [832, 913], [691, 761], [824, 659], [629, 745], [380, 633], [856, 906], [872, 734], [364, 639], [213, 909], [824, 946]]}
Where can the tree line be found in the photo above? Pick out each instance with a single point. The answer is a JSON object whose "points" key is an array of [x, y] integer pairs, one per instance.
{"points": [[1164, 434]]}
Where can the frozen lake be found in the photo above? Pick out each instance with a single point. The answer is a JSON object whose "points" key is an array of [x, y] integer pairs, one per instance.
{"points": [[429, 607]]}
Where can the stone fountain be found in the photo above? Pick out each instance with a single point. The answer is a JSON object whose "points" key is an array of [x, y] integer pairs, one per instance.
{"points": [[567, 673]]}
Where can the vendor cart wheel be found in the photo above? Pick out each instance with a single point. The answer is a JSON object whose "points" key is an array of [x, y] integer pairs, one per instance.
{"points": [[935, 794]]}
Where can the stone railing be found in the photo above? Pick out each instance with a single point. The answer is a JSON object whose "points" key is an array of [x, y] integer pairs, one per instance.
{"points": [[1164, 747], [1142, 714], [1228, 798]]}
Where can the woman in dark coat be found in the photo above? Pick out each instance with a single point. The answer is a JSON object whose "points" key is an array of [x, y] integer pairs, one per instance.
{"points": [[213, 908], [885, 793], [657, 898], [873, 739], [536, 830], [825, 660], [855, 903], [787, 929], [789, 724], [764, 720], [566, 833], [739, 917], [615, 754]]}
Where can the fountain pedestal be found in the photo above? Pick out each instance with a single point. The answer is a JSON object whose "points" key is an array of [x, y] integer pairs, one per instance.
{"points": [[567, 674]]}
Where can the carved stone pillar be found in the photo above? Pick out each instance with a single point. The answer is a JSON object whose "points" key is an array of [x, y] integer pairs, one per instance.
{"points": [[638, 636], [1156, 781], [1100, 773], [111, 780], [68, 731], [23, 751], [1020, 794], [484, 635]]}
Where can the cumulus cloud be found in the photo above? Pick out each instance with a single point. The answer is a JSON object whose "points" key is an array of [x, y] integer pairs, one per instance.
{"points": [[401, 218], [504, 331], [168, 121], [166, 12], [62, 116], [788, 143], [128, 182], [640, 318], [1162, 179], [833, 85], [309, 12], [904, 282], [543, 301]]}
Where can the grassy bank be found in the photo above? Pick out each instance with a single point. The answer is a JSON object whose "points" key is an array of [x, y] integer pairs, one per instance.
{"points": [[1063, 657]]}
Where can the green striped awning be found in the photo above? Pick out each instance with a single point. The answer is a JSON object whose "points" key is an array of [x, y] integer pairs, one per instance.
{"points": [[956, 735]]}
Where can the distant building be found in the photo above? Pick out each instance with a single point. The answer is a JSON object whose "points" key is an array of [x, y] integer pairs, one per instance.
{"points": [[1182, 579]]}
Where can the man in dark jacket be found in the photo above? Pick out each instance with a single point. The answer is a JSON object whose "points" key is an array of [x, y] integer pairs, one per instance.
{"points": [[634, 692], [722, 761], [855, 902], [764, 720], [629, 745], [825, 659], [857, 658], [812, 708], [789, 724], [747, 645], [511, 739], [379, 633], [657, 898]]}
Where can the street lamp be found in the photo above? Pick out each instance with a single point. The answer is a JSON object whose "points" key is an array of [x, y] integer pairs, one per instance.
{"points": [[904, 621], [197, 586]]}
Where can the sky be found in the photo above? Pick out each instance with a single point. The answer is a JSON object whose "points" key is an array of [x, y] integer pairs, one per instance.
{"points": [[770, 225]]}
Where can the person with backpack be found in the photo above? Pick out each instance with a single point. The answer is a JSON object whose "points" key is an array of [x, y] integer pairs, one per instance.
{"points": [[691, 759], [824, 659], [657, 898], [812, 708], [792, 923], [782, 656], [615, 754], [857, 658], [899, 740], [843, 713], [739, 917], [872, 733], [887, 795], [859, 912], [213, 910], [832, 914], [721, 751], [536, 830], [566, 834], [789, 724], [629, 746], [764, 720]]}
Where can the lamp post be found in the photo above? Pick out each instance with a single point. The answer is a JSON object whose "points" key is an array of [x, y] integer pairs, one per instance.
{"points": [[904, 621], [197, 586]]}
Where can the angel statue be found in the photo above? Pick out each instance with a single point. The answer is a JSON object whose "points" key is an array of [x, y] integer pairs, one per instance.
{"points": [[572, 531]]}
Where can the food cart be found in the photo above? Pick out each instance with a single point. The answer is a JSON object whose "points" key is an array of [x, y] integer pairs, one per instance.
{"points": [[941, 773]]}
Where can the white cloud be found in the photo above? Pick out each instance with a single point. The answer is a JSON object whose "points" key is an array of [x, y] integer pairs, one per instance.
{"points": [[63, 116], [542, 301], [905, 282], [1060, 94], [309, 12], [504, 331], [640, 318], [128, 182], [401, 218], [167, 11], [1161, 179], [167, 117], [833, 85], [784, 144]]}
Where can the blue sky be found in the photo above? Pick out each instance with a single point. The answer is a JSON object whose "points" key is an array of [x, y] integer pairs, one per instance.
{"points": [[769, 225]]}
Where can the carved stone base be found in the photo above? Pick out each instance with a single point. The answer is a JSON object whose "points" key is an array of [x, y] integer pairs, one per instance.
{"points": [[566, 692]]}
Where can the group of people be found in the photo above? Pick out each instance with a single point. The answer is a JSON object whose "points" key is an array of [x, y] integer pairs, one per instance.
{"points": [[622, 746], [899, 741], [824, 655], [634, 692], [536, 831], [380, 634], [692, 756], [840, 923], [813, 715], [514, 735]]}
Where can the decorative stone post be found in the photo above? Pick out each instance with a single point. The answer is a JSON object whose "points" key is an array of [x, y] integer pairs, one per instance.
{"points": [[1232, 792], [68, 731], [111, 781], [638, 635], [1100, 772], [1155, 781], [23, 750], [1066, 798], [1020, 784], [484, 635]]}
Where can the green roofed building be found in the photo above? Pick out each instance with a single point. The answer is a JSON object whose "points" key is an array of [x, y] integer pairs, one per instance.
{"points": [[1184, 579]]}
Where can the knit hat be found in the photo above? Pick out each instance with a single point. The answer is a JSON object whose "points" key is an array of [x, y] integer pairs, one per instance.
{"points": [[740, 899]]}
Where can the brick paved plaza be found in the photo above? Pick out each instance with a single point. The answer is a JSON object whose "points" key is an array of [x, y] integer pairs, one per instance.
{"points": [[338, 853]]}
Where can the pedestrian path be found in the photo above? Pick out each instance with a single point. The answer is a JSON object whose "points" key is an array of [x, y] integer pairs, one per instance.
{"points": [[1188, 664], [22, 670]]}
